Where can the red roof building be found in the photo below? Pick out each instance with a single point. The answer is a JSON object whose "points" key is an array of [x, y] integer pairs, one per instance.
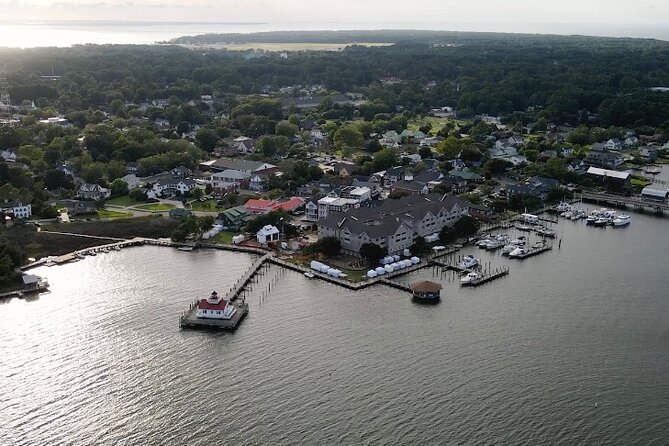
{"points": [[215, 307], [259, 206]]}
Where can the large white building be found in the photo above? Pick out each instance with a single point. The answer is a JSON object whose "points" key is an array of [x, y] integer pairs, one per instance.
{"points": [[268, 234], [327, 205], [18, 209], [395, 224]]}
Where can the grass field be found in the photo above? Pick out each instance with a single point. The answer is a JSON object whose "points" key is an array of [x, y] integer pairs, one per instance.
{"points": [[294, 46], [206, 206], [106, 213], [155, 207], [122, 201], [224, 237]]}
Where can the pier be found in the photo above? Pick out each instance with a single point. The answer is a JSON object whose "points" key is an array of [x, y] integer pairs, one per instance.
{"points": [[488, 277], [189, 318], [533, 252], [618, 200]]}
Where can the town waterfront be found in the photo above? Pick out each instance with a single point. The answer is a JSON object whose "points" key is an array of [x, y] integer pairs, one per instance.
{"points": [[571, 348]]}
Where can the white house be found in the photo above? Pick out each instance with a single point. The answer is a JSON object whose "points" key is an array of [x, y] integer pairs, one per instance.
{"points": [[268, 234], [17, 208], [132, 181], [215, 307], [173, 185], [8, 155], [89, 191]]}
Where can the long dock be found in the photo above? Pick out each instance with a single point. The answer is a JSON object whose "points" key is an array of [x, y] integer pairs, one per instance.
{"points": [[488, 277], [533, 252]]}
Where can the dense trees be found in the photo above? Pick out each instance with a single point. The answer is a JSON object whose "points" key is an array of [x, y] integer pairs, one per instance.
{"points": [[372, 252]]}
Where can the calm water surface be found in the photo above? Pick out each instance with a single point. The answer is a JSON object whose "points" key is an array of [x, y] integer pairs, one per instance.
{"points": [[571, 348]]}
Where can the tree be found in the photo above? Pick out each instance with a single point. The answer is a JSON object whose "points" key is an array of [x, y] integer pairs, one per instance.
{"points": [[206, 139], [272, 145], [496, 166], [118, 188], [138, 194], [419, 246], [285, 128], [374, 146], [464, 227], [451, 147], [385, 159], [425, 152], [372, 252], [328, 246], [55, 179], [349, 136]]}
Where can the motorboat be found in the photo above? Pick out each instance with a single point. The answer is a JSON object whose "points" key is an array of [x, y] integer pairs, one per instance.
{"points": [[590, 220], [601, 222], [185, 248], [546, 232], [567, 214], [518, 252], [469, 262], [309, 275], [563, 207], [525, 228], [622, 220], [507, 249], [471, 278], [494, 244]]}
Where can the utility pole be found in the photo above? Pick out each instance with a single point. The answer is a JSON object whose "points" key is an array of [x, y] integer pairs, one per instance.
{"points": [[5, 101]]}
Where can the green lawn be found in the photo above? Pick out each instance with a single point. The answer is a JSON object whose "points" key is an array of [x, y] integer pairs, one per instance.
{"points": [[106, 213], [223, 237], [156, 207], [122, 201], [206, 206]]}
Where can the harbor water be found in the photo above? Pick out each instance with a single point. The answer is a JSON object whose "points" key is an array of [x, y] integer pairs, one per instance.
{"points": [[572, 347]]}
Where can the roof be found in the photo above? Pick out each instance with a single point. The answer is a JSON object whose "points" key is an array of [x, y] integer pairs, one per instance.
{"points": [[204, 304], [241, 164], [269, 229], [465, 174], [648, 191], [608, 173], [426, 286]]}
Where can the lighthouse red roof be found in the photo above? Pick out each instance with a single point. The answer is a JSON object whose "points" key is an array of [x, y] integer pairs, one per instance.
{"points": [[205, 305]]}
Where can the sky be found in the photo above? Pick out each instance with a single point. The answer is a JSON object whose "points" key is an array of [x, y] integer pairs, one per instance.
{"points": [[598, 17]]}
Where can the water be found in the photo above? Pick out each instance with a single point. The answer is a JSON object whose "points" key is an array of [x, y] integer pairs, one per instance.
{"points": [[571, 348], [47, 33]]}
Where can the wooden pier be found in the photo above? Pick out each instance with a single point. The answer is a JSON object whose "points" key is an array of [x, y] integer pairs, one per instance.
{"points": [[488, 277], [533, 252]]}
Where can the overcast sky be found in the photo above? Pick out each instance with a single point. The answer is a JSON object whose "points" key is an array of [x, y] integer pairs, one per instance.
{"points": [[610, 17]]}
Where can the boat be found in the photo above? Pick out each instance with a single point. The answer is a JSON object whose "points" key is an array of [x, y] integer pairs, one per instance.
{"points": [[469, 262], [518, 252], [494, 244], [563, 207], [117, 248], [546, 232], [185, 248], [507, 249], [601, 222], [622, 220], [590, 220], [471, 279], [525, 228], [653, 170], [309, 275]]}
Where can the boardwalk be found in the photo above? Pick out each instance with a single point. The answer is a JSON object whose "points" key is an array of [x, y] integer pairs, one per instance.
{"points": [[618, 200]]}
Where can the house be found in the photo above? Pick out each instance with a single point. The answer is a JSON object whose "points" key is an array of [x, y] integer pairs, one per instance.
{"points": [[56, 120], [482, 213], [93, 192], [260, 207], [612, 177], [614, 144], [244, 145], [181, 172], [132, 167], [311, 209], [648, 153], [373, 182], [227, 180], [535, 186], [18, 208], [330, 204], [215, 307], [631, 141], [422, 183], [393, 175], [242, 165], [390, 139], [361, 194], [9, 155], [173, 186], [601, 156], [470, 177], [345, 169], [77, 207], [235, 218], [393, 225], [454, 184], [132, 181], [267, 234]]}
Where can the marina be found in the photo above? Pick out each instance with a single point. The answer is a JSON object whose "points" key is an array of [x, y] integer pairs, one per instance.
{"points": [[547, 345]]}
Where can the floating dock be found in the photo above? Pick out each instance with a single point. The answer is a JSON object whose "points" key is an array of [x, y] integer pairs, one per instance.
{"points": [[533, 252], [488, 277]]}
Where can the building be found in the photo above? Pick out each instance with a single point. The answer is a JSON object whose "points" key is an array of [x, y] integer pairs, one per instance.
{"points": [[612, 177], [241, 165], [362, 193], [235, 218], [259, 207], [9, 155], [395, 224], [18, 209], [311, 209], [89, 191], [229, 179], [78, 207], [173, 186], [215, 307], [132, 181], [333, 203], [426, 290], [179, 213], [600, 155], [268, 234]]}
